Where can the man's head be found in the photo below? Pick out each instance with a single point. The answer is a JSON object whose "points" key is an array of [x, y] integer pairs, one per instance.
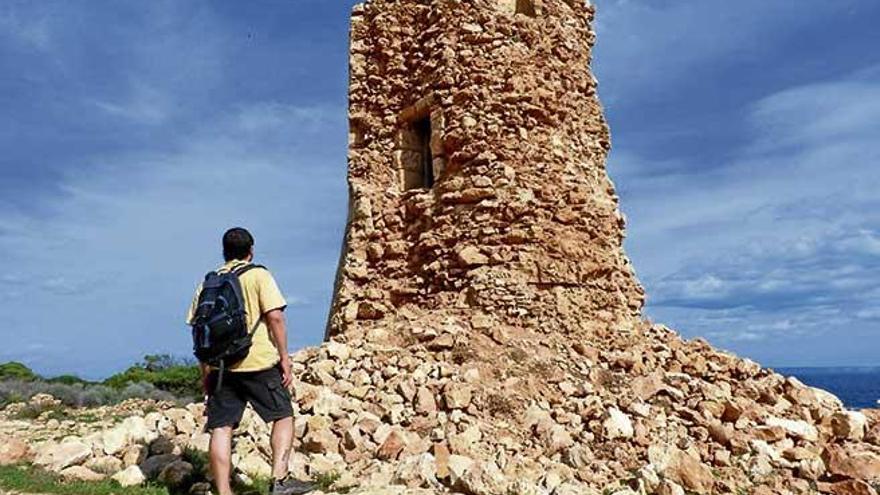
{"points": [[238, 244]]}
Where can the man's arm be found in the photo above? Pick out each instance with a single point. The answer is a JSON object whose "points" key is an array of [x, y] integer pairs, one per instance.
{"points": [[278, 331], [206, 372]]}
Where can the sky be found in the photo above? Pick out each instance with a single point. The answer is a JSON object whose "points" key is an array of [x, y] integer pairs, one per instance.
{"points": [[134, 133]]}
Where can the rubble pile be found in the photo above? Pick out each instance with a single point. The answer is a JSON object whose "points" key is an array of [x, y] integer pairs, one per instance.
{"points": [[645, 412]]}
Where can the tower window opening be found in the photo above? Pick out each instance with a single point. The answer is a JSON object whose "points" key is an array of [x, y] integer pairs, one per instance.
{"points": [[423, 131], [526, 7], [418, 158]]}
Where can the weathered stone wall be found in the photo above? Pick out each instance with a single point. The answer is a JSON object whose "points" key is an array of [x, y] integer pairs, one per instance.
{"points": [[522, 222]]}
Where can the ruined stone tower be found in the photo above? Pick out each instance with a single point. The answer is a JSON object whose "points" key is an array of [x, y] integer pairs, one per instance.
{"points": [[477, 171]]}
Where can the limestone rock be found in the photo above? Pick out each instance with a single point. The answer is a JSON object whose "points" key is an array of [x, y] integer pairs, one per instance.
{"points": [[115, 440], [796, 428], [471, 256], [855, 465], [848, 487], [392, 446], [457, 396], [617, 424], [255, 465], [56, 457], [682, 468], [130, 476], [849, 425], [80, 473], [425, 402], [13, 451], [107, 464]]}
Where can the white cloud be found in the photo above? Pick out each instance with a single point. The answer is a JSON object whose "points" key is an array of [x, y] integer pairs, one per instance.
{"points": [[145, 105], [649, 47], [274, 116], [782, 240], [122, 250]]}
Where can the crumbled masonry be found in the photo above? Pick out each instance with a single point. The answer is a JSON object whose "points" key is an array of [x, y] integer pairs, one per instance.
{"points": [[486, 335]]}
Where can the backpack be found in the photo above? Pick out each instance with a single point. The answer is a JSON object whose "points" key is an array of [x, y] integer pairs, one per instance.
{"points": [[221, 337]]}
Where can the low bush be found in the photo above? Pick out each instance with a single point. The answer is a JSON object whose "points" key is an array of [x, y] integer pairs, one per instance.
{"points": [[17, 371], [68, 380], [181, 378], [158, 377], [79, 395]]}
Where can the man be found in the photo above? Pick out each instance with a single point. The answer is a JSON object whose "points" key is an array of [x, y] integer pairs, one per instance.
{"points": [[262, 378]]}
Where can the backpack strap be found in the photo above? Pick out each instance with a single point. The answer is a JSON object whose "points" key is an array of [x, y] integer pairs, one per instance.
{"points": [[241, 270], [238, 272]]}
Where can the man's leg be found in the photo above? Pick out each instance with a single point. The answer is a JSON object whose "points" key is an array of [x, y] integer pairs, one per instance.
{"points": [[272, 403], [221, 459], [282, 440]]}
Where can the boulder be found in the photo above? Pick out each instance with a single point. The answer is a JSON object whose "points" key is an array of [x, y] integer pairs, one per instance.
{"points": [[130, 476], [682, 468], [457, 466], [137, 430], [56, 457], [254, 464], [80, 473], [795, 428], [155, 464], [457, 395], [425, 402], [134, 454], [482, 479], [557, 439], [849, 425], [471, 256], [115, 440], [107, 464], [162, 445], [617, 424], [392, 446], [320, 441], [854, 465], [13, 451], [416, 471], [848, 487], [176, 474]]}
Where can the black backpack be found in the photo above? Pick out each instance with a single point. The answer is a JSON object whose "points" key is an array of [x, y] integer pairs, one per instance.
{"points": [[221, 337]]}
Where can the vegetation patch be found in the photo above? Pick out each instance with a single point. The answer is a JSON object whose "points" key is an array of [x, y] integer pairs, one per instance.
{"points": [[29, 479], [180, 377], [157, 377], [16, 371]]}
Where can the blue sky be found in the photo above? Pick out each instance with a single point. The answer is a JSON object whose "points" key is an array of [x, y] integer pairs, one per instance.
{"points": [[133, 133]]}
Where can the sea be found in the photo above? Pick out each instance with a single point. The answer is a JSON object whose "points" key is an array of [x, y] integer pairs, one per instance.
{"points": [[858, 388]]}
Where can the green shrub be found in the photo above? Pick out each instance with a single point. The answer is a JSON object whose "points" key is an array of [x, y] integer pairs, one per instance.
{"points": [[181, 378], [158, 377], [68, 380], [198, 459], [325, 481], [17, 371], [79, 395]]}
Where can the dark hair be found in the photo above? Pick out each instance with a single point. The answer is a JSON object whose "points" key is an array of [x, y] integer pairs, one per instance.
{"points": [[237, 244]]}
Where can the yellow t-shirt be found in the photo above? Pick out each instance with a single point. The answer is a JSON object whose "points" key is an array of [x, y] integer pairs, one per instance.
{"points": [[261, 295]]}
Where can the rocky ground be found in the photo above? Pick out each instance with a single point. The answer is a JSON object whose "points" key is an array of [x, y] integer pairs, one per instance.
{"points": [[456, 409]]}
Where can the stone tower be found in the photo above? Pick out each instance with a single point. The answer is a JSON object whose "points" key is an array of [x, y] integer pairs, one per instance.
{"points": [[478, 188]]}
